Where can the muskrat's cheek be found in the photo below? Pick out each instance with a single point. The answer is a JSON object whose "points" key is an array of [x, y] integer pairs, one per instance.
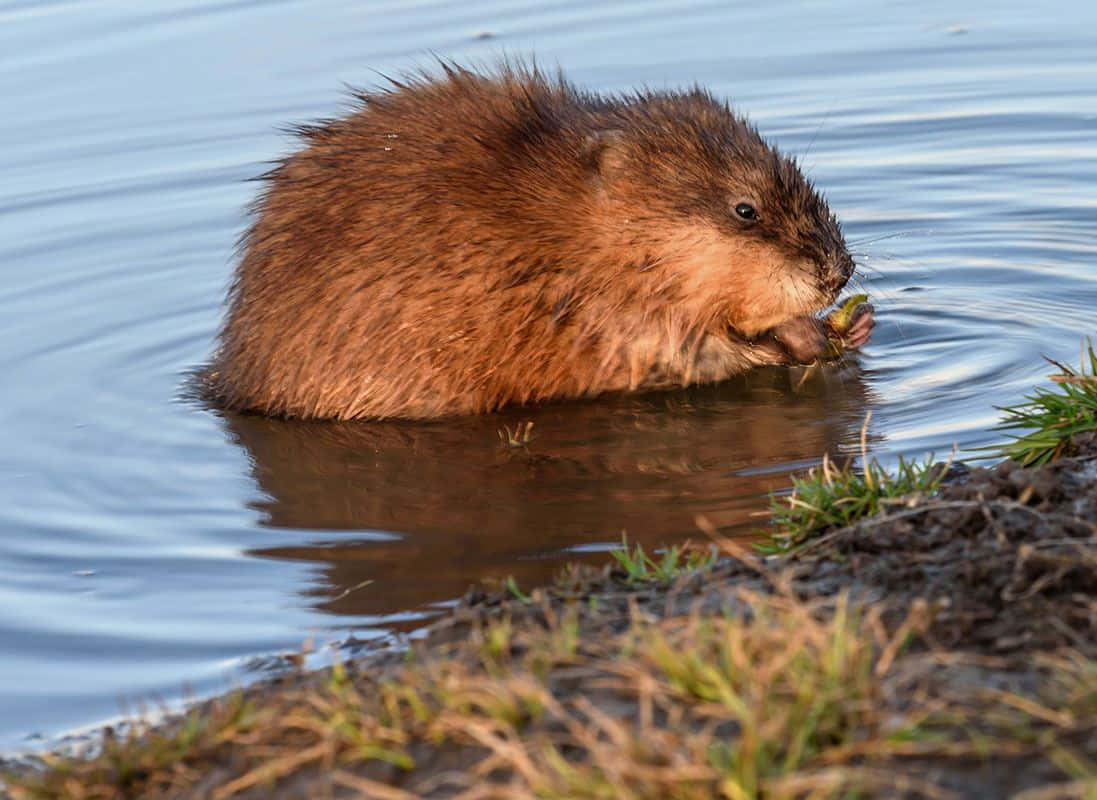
{"points": [[803, 338]]}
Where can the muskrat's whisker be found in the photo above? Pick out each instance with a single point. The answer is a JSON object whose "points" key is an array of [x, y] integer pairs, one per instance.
{"points": [[857, 284], [818, 130], [879, 290], [881, 237]]}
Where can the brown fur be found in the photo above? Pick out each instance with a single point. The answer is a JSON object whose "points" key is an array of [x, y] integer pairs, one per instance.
{"points": [[465, 242]]}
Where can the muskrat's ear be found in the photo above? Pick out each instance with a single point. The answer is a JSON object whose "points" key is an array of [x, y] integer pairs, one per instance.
{"points": [[604, 152]]}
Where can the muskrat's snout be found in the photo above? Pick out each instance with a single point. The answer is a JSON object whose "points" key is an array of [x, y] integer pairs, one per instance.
{"points": [[826, 246]]}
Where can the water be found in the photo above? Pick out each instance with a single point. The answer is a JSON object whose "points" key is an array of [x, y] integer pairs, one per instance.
{"points": [[148, 543]]}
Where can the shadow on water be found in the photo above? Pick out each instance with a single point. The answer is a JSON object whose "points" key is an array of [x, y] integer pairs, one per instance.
{"points": [[412, 514]]}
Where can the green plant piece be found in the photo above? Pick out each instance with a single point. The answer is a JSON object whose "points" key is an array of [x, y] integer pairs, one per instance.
{"points": [[495, 641], [839, 321], [511, 585]]}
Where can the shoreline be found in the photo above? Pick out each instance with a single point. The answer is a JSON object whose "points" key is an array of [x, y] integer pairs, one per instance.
{"points": [[946, 648]]}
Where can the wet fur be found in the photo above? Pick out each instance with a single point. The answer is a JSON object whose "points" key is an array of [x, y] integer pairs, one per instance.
{"points": [[464, 242]]}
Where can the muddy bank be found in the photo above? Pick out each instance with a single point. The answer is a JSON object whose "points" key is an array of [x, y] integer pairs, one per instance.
{"points": [[947, 648]]}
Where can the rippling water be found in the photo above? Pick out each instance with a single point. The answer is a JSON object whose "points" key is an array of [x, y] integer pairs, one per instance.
{"points": [[147, 543]]}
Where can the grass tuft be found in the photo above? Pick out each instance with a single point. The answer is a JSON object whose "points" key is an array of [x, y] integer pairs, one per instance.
{"points": [[1055, 415], [831, 497], [793, 687], [673, 562]]}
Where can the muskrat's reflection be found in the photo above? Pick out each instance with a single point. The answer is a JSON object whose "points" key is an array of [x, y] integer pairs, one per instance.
{"points": [[440, 506]]}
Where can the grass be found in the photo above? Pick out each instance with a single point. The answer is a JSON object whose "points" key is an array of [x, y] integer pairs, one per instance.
{"points": [[1055, 415], [1071, 692], [142, 759], [830, 497], [777, 699], [673, 561], [771, 697], [797, 690], [510, 583], [716, 707]]}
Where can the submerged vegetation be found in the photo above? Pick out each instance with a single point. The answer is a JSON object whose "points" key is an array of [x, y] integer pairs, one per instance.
{"points": [[521, 436]]}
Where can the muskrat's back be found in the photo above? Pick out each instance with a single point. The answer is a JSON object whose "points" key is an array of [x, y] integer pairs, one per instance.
{"points": [[465, 242]]}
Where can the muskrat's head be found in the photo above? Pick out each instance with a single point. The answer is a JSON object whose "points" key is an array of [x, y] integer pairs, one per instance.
{"points": [[729, 230]]}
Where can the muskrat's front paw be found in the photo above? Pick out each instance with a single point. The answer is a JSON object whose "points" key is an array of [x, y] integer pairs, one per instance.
{"points": [[864, 320], [803, 339]]}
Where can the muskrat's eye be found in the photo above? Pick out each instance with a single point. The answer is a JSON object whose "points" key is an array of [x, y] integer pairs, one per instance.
{"points": [[746, 211]]}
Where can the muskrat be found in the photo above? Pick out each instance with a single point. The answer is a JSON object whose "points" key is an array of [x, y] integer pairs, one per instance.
{"points": [[462, 242]]}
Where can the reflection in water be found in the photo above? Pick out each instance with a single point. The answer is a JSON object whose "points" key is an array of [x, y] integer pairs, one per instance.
{"points": [[436, 507]]}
